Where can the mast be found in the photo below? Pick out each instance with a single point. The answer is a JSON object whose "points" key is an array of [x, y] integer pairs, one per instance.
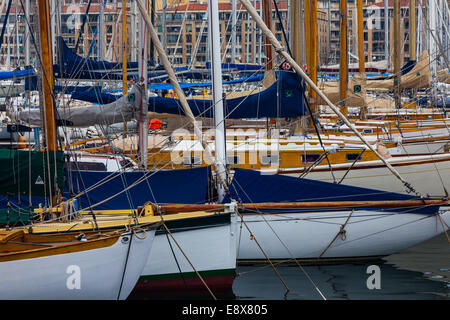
{"points": [[101, 30], [260, 38], [307, 25], [397, 70], [267, 15], [254, 38], [124, 55], [233, 30], [279, 48], [17, 35], [153, 16], [217, 91], [53, 28], [143, 80], [124, 45], [412, 30], [386, 33], [163, 23], [343, 71], [133, 32], [313, 58], [295, 30], [47, 79], [27, 33], [361, 57], [176, 86]]}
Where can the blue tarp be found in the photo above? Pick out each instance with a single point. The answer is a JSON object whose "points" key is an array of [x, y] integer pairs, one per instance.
{"points": [[251, 186], [16, 74], [283, 99], [95, 96], [187, 186]]}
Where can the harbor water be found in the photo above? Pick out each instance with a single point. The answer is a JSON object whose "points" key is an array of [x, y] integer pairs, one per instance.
{"points": [[418, 273]]}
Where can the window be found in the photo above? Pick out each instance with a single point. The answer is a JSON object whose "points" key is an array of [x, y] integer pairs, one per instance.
{"points": [[353, 156], [268, 160], [93, 166], [309, 158], [233, 160], [192, 160]]}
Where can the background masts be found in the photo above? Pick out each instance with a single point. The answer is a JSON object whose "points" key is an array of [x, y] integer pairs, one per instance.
{"points": [[267, 16], [386, 33], [361, 55], [233, 31], [143, 80], [412, 30], [101, 30], [397, 44]]}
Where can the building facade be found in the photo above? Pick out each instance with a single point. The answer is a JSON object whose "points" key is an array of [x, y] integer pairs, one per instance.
{"points": [[186, 34]]}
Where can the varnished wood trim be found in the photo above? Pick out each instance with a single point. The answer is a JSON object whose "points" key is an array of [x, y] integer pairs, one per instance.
{"points": [[58, 249]]}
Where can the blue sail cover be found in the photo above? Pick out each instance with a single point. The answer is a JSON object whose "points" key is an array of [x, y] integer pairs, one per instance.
{"points": [[251, 186], [283, 99], [99, 97], [16, 74], [95, 96], [187, 186], [72, 66]]}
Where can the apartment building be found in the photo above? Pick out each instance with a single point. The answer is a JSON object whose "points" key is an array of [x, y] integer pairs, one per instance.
{"points": [[186, 34]]}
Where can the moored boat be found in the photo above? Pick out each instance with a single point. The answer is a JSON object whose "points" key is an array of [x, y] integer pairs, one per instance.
{"points": [[71, 266]]}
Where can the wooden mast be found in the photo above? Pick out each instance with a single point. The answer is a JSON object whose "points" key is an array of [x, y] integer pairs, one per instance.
{"points": [[47, 85], [47, 79], [267, 6], [307, 23], [361, 56], [312, 68], [343, 71], [295, 36]]}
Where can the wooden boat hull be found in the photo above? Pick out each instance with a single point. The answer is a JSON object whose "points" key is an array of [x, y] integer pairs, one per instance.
{"points": [[309, 235], [106, 273], [207, 239]]}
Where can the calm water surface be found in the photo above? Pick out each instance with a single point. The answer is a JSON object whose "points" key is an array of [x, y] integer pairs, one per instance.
{"points": [[419, 273], [422, 272]]}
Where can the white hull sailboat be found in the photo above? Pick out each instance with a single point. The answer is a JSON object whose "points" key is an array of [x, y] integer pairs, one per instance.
{"points": [[340, 235], [103, 268], [174, 263]]}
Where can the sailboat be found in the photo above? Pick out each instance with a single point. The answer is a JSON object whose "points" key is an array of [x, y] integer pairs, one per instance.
{"points": [[381, 223], [91, 265], [180, 256]]}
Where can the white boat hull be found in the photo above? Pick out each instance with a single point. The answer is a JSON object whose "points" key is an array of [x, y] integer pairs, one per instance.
{"points": [[210, 249], [310, 235], [426, 178], [107, 273]]}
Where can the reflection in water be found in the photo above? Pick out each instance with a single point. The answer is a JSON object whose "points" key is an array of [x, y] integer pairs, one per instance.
{"points": [[419, 273], [344, 281]]}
